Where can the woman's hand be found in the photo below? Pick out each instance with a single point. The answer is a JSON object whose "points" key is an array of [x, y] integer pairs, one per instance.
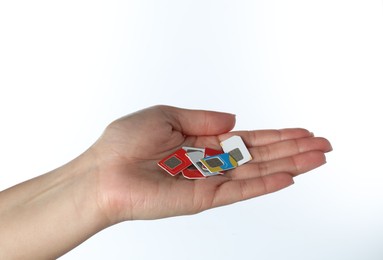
{"points": [[118, 179], [132, 186]]}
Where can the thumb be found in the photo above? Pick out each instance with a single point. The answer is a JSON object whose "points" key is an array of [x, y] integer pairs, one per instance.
{"points": [[200, 122]]}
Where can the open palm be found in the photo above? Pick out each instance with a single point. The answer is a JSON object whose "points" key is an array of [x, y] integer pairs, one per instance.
{"points": [[132, 186]]}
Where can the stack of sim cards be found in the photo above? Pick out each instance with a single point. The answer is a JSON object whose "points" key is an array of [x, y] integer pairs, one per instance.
{"points": [[199, 163]]}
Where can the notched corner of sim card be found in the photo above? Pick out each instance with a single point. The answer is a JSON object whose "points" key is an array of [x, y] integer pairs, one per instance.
{"points": [[237, 149]]}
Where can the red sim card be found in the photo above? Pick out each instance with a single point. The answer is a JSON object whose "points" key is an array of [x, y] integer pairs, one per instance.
{"points": [[175, 162], [192, 172], [211, 152]]}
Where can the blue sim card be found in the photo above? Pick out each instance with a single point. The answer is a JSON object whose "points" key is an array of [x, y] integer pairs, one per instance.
{"points": [[220, 162]]}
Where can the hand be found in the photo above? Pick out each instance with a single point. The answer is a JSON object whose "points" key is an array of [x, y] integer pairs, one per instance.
{"points": [[118, 179], [132, 186]]}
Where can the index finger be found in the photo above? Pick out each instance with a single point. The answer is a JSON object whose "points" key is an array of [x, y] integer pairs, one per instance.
{"points": [[265, 137]]}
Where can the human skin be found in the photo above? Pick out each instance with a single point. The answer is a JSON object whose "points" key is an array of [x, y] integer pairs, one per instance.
{"points": [[117, 179]]}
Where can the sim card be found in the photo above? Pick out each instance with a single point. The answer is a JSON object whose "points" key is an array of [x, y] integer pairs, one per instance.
{"points": [[175, 162], [195, 158], [192, 172], [195, 170], [211, 152], [193, 149], [220, 162], [237, 149], [199, 163]]}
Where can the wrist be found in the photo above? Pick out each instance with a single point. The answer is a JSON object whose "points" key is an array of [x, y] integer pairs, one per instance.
{"points": [[59, 206], [83, 176]]}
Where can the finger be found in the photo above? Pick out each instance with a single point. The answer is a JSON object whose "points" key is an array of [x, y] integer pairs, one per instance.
{"points": [[289, 148], [238, 190], [200, 122], [264, 137], [294, 165]]}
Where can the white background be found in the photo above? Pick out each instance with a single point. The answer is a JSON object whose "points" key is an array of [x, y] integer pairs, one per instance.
{"points": [[68, 68]]}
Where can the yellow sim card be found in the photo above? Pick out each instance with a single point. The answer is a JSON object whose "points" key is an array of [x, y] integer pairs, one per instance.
{"points": [[220, 162]]}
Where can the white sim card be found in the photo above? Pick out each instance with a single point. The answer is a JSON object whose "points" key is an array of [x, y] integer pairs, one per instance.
{"points": [[237, 149]]}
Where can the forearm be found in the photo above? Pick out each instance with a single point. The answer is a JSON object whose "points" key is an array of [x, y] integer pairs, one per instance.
{"points": [[45, 217]]}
